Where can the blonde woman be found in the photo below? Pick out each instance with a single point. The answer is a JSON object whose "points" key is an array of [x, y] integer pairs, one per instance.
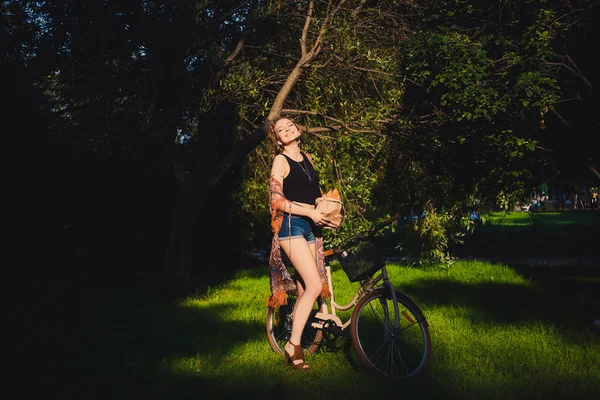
{"points": [[297, 229]]}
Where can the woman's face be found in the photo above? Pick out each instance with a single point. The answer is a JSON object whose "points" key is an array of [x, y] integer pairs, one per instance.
{"points": [[286, 131]]}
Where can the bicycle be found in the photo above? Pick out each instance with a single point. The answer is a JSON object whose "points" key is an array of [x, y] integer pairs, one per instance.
{"points": [[389, 332]]}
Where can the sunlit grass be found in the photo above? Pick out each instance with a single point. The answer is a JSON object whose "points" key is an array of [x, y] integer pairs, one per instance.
{"points": [[547, 218], [499, 332], [508, 219]]}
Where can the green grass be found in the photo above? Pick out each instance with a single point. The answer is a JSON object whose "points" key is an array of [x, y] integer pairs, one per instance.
{"points": [[499, 331], [548, 219]]}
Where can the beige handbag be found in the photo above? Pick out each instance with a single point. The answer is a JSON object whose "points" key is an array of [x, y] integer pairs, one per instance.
{"points": [[331, 205]]}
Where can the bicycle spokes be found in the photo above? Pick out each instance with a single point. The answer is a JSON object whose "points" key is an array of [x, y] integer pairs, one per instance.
{"points": [[394, 349]]}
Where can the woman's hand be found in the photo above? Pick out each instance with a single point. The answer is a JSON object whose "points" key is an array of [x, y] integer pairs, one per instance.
{"points": [[333, 224], [321, 220], [318, 217]]}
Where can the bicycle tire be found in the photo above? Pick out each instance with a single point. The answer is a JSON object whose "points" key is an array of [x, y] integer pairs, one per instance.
{"points": [[279, 328], [401, 352]]}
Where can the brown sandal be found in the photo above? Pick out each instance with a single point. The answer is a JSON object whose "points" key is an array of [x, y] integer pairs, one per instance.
{"points": [[298, 355]]}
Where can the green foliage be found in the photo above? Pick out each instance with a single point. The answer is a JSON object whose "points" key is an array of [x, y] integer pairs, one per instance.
{"points": [[424, 102], [462, 75], [426, 238], [349, 93], [478, 81]]}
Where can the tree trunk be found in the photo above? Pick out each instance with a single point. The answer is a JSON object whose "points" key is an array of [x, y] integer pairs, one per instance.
{"points": [[189, 206], [176, 281], [191, 198]]}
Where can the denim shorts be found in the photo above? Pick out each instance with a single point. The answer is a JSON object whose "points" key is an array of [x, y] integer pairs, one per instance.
{"points": [[300, 227]]}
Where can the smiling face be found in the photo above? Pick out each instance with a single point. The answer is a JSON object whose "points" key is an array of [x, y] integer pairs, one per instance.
{"points": [[286, 131]]}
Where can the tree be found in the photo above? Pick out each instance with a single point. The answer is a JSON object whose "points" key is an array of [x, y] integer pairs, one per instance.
{"points": [[180, 91], [342, 98], [481, 79]]}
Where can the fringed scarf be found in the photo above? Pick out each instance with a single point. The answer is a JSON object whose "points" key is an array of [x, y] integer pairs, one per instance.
{"points": [[280, 280]]}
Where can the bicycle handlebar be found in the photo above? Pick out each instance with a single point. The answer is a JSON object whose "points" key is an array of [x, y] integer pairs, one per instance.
{"points": [[374, 231], [383, 223], [388, 221]]}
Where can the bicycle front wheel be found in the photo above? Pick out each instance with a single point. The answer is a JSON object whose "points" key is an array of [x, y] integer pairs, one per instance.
{"points": [[395, 350], [279, 328]]}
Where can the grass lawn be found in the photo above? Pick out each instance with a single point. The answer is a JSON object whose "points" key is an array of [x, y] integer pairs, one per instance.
{"points": [[547, 218], [498, 332], [544, 234]]}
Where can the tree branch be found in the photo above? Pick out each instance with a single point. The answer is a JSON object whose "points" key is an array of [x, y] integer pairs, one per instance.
{"points": [[561, 118], [309, 13], [575, 69], [327, 128], [228, 60], [358, 8], [305, 58], [594, 171]]}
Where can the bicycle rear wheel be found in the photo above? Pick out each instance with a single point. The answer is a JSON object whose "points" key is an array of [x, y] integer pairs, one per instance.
{"points": [[279, 328], [401, 351]]}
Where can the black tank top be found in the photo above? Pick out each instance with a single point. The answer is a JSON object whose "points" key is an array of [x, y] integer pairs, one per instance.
{"points": [[297, 186]]}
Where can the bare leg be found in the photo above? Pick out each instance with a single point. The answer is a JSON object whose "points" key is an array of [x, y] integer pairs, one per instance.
{"points": [[304, 261], [300, 290]]}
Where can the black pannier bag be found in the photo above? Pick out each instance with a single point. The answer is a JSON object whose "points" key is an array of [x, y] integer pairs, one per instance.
{"points": [[360, 258]]}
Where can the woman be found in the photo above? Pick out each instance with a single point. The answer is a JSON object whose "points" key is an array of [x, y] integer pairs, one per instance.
{"points": [[297, 229]]}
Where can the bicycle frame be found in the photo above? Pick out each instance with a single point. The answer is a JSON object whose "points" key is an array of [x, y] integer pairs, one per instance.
{"points": [[370, 285], [365, 288]]}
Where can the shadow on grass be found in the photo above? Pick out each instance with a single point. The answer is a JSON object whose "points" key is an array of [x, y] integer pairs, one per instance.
{"points": [[129, 343], [549, 235], [566, 296]]}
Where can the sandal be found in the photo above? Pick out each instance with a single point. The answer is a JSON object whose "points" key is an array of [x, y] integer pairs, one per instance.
{"points": [[298, 355]]}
